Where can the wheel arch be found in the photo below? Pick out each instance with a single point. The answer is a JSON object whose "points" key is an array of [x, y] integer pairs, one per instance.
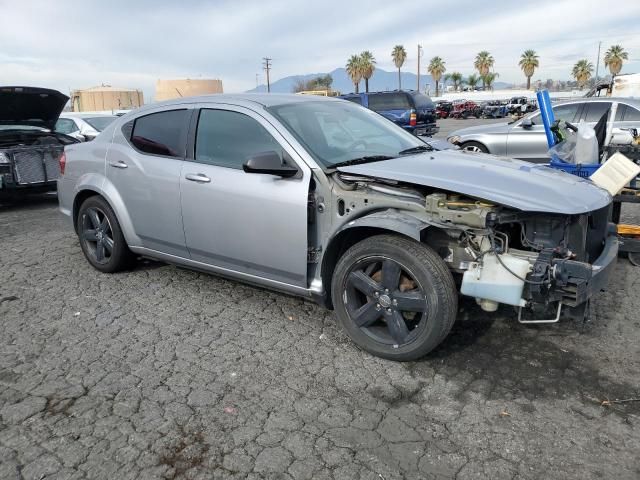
{"points": [[389, 221], [109, 193]]}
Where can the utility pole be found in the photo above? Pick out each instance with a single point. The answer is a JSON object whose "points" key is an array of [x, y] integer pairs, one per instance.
{"points": [[257, 77], [419, 55], [267, 66], [598, 62]]}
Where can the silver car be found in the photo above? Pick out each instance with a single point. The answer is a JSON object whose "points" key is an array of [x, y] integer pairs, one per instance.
{"points": [[321, 198], [525, 138], [83, 126]]}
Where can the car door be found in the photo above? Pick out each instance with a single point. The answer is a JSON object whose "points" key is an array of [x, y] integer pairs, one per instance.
{"points": [[143, 165], [250, 223], [627, 118], [530, 142]]}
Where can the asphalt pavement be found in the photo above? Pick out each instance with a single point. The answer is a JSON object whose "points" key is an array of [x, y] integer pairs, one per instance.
{"points": [[166, 373]]}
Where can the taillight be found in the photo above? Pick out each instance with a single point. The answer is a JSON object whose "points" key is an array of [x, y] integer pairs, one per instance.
{"points": [[63, 163], [413, 119]]}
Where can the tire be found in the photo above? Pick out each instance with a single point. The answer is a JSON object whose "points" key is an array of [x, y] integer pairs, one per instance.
{"points": [[100, 235], [414, 314], [474, 147]]}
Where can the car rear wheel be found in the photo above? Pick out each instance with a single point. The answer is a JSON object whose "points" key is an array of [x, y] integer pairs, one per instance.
{"points": [[474, 147], [101, 237], [394, 297]]}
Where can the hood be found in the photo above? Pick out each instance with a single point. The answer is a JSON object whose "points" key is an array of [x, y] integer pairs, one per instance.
{"points": [[501, 127], [513, 183], [34, 106]]}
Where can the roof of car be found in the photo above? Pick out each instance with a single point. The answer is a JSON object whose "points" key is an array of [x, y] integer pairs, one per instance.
{"points": [[264, 99], [629, 101]]}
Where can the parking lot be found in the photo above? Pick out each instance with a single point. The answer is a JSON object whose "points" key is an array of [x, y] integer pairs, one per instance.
{"points": [[167, 373]]}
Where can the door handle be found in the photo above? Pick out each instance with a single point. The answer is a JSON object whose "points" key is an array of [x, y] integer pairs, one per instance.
{"points": [[118, 164], [197, 177]]}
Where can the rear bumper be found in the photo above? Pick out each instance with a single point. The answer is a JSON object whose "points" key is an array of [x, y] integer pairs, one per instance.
{"points": [[426, 129]]}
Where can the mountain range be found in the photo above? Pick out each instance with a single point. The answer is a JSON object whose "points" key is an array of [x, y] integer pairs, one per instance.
{"points": [[381, 80]]}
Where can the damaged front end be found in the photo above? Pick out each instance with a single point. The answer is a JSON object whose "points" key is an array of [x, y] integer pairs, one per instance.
{"points": [[537, 262]]}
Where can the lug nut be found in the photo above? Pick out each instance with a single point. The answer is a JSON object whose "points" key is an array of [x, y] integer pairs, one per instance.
{"points": [[378, 306]]}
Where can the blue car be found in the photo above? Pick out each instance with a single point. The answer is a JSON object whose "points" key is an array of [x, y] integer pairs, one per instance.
{"points": [[412, 110]]}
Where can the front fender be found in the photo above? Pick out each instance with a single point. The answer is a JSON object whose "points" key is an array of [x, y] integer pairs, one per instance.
{"points": [[390, 219]]}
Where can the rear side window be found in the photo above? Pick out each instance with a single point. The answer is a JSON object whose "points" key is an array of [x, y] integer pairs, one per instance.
{"points": [[389, 101], [595, 110], [631, 114], [161, 133], [422, 101], [356, 99], [66, 125], [228, 139], [620, 112]]}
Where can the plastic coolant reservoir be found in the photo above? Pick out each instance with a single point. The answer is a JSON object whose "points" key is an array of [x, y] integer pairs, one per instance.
{"points": [[491, 281]]}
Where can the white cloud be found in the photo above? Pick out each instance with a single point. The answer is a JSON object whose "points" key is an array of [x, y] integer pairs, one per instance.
{"points": [[74, 44]]}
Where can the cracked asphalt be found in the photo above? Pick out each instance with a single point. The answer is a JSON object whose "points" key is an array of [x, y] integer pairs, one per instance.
{"points": [[166, 373]]}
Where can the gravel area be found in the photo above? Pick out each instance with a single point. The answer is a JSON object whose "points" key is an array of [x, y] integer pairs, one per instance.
{"points": [[166, 373]]}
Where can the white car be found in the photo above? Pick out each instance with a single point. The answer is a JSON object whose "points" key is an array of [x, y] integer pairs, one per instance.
{"points": [[83, 126]]}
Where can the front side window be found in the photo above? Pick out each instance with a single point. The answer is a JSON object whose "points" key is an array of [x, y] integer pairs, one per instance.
{"points": [[227, 139], [66, 126], [161, 133], [336, 132], [595, 110]]}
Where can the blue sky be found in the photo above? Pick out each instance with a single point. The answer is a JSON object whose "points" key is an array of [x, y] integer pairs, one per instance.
{"points": [[72, 44]]}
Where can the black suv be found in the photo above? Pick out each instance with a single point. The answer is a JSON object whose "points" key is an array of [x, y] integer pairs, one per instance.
{"points": [[412, 110]]}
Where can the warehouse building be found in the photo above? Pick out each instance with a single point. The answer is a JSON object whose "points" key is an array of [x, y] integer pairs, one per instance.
{"points": [[105, 98]]}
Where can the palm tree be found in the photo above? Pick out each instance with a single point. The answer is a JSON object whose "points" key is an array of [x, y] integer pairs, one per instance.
{"points": [[368, 62], [489, 78], [456, 78], [614, 58], [582, 71], [436, 68], [354, 70], [528, 63], [399, 55], [472, 80], [483, 63]]}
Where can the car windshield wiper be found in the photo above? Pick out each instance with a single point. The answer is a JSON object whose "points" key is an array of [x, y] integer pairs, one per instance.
{"points": [[360, 160], [417, 149]]}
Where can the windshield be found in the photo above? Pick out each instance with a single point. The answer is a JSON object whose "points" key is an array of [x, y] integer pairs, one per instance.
{"points": [[339, 131], [99, 123]]}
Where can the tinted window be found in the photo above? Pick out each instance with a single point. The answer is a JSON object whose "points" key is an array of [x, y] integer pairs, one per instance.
{"points": [[160, 133], [389, 101], [99, 123], [357, 100], [631, 114], [620, 112], [66, 125], [334, 132], [566, 112], [228, 139], [422, 101], [595, 110]]}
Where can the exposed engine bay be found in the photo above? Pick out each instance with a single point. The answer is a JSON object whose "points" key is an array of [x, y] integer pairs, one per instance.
{"points": [[30, 157], [499, 254]]}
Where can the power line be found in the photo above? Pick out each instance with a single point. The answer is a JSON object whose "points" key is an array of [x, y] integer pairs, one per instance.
{"points": [[266, 65]]}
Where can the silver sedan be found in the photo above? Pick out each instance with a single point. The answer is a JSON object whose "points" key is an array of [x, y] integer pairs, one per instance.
{"points": [[525, 138]]}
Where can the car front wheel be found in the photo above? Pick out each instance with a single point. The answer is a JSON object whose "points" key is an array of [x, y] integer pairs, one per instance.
{"points": [[394, 297], [101, 237], [474, 147]]}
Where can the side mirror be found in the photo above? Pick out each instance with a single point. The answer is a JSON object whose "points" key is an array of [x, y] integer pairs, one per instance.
{"points": [[526, 123], [270, 163]]}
